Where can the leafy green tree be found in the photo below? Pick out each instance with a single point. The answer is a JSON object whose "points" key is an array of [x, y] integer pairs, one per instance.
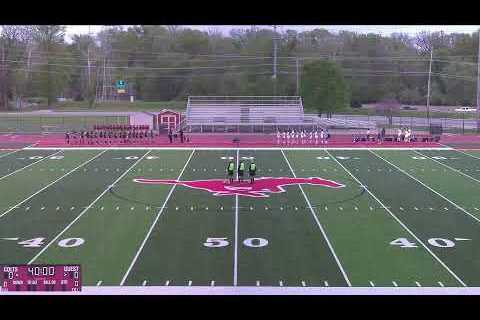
{"points": [[324, 88]]}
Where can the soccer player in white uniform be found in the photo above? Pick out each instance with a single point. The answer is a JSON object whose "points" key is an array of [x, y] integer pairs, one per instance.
{"points": [[315, 134], [278, 136], [322, 136]]}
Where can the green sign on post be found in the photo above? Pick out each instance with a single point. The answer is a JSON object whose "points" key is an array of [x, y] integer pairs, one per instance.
{"points": [[120, 84]]}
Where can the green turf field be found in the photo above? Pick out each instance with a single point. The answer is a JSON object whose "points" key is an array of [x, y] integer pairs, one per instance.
{"points": [[404, 218]]}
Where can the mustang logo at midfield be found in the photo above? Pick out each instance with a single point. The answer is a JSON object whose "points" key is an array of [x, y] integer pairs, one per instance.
{"points": [[259, 189]]}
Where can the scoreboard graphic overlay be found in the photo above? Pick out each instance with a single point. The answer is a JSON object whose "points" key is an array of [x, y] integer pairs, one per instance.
{"points": [[41, 278]]}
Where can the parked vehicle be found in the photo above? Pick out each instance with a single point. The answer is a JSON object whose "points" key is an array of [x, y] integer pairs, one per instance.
{"points": [[466, 109]]}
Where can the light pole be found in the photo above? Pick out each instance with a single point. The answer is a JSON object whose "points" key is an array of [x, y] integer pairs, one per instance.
{"points": [[428, 86]]}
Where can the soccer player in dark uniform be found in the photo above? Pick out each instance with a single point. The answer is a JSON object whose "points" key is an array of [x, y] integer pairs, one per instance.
{"points": [[170, 135], [252, 169], [241, 170], [181, 135], [230, 170]]}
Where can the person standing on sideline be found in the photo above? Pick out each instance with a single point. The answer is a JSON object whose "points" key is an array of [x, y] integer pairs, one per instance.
{"points": [[230, 171], [181, 135], [170, 135], [252, 170], [241, 170]]}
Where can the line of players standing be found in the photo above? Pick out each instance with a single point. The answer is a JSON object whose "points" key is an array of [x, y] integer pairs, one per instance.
{"points": [[112, 135], [292, 137]]}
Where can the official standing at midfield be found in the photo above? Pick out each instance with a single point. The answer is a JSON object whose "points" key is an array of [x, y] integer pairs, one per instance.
{"points": [[252, 170]]}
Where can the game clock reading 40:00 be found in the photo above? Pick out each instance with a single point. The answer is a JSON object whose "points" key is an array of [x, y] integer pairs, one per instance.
{"points": [[41, 278]]}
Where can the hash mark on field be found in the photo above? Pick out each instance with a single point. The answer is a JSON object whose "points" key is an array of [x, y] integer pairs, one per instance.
{"points": [[144, 283], [395, 284], [356, 208], [101, 209], [27, 208], [258, 283], [72, 208], [418, 284], [57, 208], [441, 284], [42, 208], [415, 208], [401, 209], [476, 209], [372, 284], [326, 283], [116, 208], [167, 282], [99, 283]]}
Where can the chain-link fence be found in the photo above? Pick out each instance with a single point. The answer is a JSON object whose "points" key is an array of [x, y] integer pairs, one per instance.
{"points": [[451, 125], [55, 123]]}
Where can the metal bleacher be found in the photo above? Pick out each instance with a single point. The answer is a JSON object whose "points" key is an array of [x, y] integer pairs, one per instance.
{"points": [[248, 114], [245, 113]]}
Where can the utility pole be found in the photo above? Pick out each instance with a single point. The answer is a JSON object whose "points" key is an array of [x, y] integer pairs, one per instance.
{"points": [[298, 77], [478, 84], [275, 52], [274, 60], [428, 86]]}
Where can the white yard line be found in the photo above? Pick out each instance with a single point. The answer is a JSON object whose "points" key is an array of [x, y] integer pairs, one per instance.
{"points": [[31, 164], [86, 208], [447, 166], [318, 223], [52, 183], [400, 222], [468, 154], [154, 222], [235, 259], [429, 188], [9, 153]]}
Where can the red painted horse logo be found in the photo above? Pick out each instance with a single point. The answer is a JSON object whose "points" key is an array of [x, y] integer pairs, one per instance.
{"points": [[259, 189]]}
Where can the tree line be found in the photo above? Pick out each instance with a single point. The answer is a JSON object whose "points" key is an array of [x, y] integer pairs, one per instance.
{"points": [[165, 63]]}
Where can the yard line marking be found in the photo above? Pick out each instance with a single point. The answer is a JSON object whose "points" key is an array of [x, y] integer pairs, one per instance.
{"points": [[318, 222], [403, 225], [426, 186], [451, 168], [86, 209], [31, 164], [155, 221], [440, 283], [52, 183], [144, 283], [99, 283], [418, 284], [9, 153], [468, 154], [235, 255], [372, 284], [395, 284]]}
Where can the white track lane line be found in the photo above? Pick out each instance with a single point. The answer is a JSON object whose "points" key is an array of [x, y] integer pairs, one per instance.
{"points": [[31, 164], [154, 222], [52, 183], [401, 223], [429, 188], [447, 166], [235, 258], [86, 208], [231, 148], [319, 224]]}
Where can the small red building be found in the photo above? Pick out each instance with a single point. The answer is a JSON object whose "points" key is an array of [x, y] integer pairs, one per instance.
{"points": [[169, 119]]}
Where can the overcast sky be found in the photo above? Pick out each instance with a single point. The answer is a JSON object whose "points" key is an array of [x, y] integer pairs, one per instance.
{"points": [[384, 30]]}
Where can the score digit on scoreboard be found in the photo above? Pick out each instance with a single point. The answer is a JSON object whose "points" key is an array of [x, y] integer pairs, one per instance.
{"points": [[41, 278]]}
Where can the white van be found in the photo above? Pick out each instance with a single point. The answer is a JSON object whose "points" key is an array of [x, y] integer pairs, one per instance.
{"points": [[466, 109]]}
